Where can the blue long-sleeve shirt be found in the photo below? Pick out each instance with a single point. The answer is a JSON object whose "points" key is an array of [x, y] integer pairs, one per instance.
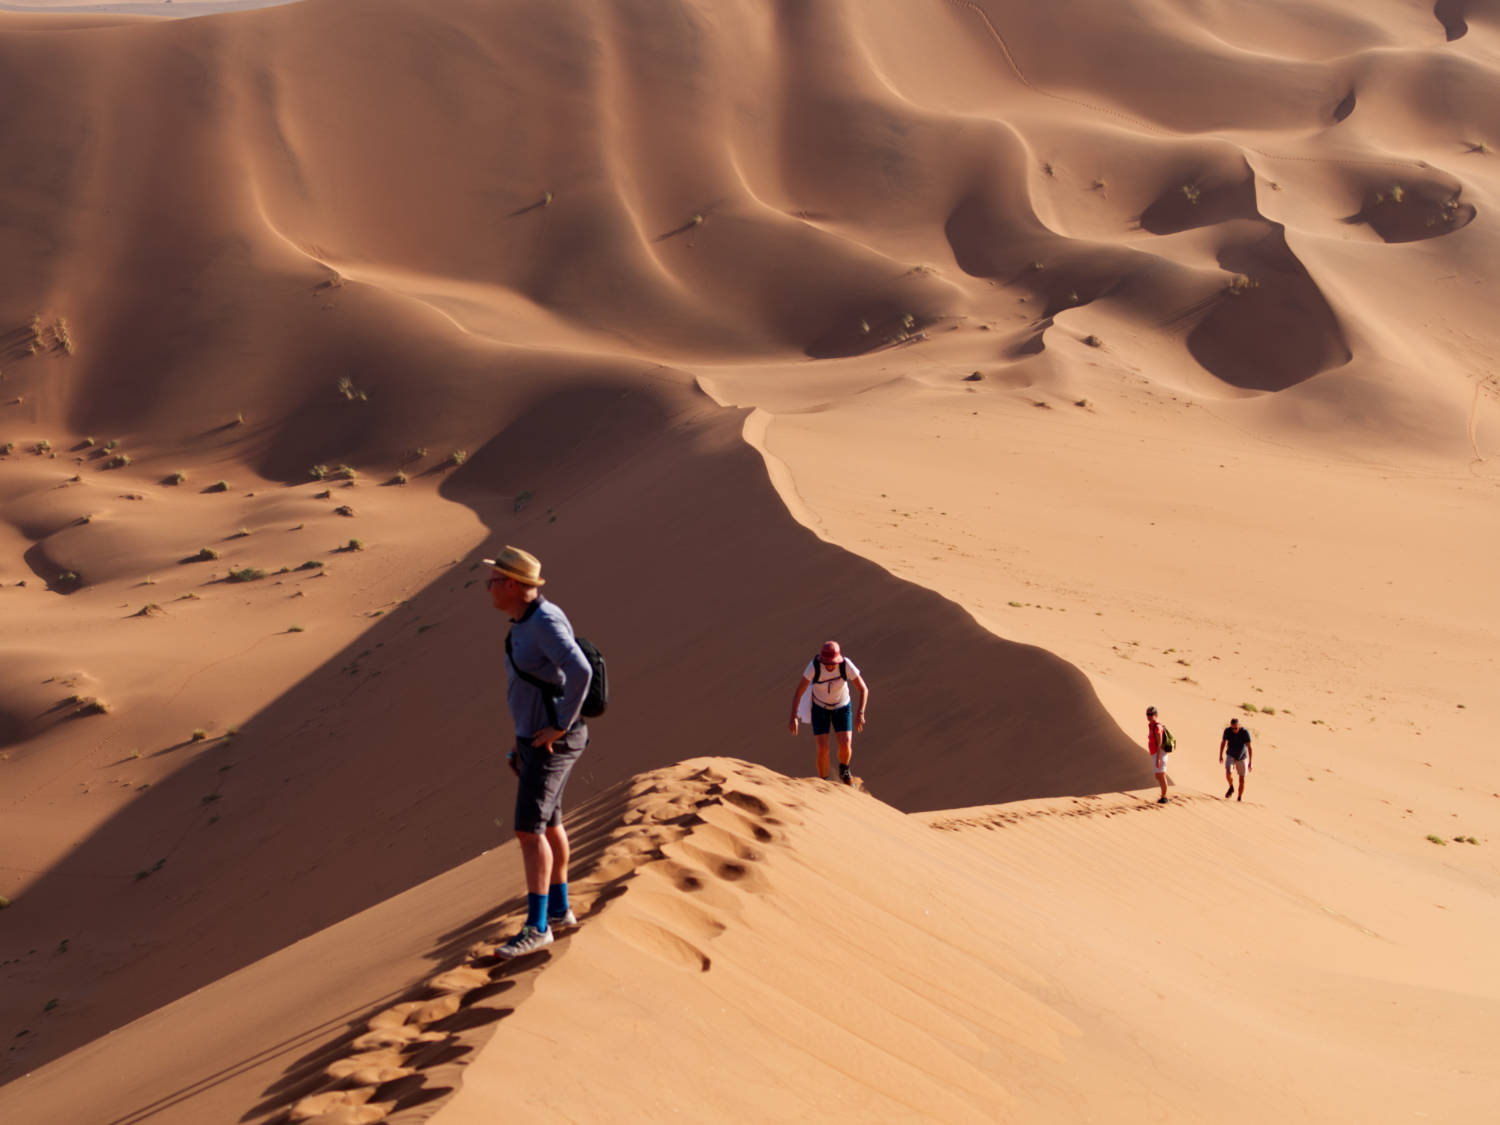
{"points": [[542, 645]]}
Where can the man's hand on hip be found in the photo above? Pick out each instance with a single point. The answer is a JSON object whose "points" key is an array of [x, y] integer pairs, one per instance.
{"points": [[545, 737]]}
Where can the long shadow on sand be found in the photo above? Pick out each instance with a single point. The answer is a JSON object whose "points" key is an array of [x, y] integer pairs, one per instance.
{"points": [[665, 543]]}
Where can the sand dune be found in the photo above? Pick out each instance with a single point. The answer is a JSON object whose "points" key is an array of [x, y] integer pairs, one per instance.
{"points": [[758, 945], [1057, 358]]}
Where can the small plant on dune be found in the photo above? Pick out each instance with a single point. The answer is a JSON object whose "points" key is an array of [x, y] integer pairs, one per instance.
{"points": [[294, 628], [240, 534], [318, 472], [546, 199], [345, 472], [67, 578], [218, 486], [1249, 707], [42, 447], [7, 449], [344, 510], [1100, 183], [1192, 192], [416, 454], [310, 564], [4, 902], [399, 478], [1093, 341], [1481, 148], [354, 545], [1436, 839], [458, 457], [188, 597], [1238, 284], [91, 706], [61, 337], [1048, 170], [1038, 266], [109, 446], [697, 219], [346, 387], [239, 419], [86, 442], [179, 477], [1398, 193], [205, 554], [1268, 710], [199, 735], [245, 574], [118, 461]]}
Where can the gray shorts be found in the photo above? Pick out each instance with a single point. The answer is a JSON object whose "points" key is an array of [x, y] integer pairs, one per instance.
{"points": [[539, 788]]}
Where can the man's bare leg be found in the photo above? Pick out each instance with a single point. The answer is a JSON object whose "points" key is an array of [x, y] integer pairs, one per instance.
{"points": [[822, 741], [557, 838], [536, 858]]}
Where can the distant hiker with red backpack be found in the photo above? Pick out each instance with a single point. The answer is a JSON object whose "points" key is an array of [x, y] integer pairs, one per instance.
{"points": [[547, 678], [828, 705], [1160, 743]]}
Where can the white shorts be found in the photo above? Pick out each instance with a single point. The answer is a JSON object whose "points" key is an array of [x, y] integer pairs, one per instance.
{"points": [[1161, 762], [1232, 763]]}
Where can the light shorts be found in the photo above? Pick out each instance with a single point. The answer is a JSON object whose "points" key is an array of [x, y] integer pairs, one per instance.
{"points": [[1231, 762], [1161, 762]]}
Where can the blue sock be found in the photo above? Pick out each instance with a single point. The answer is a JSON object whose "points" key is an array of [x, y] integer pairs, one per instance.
{"points": [[557, 899], [536, 911]]}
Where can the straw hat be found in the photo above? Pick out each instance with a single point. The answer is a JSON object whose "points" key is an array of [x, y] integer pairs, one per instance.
{"points": [[515, 563]]}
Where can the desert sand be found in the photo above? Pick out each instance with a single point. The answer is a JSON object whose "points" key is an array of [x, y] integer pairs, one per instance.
{"points": [[1056, 359]]}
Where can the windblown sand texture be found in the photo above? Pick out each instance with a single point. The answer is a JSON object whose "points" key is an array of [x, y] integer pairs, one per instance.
{"points": [[1056, 358]]}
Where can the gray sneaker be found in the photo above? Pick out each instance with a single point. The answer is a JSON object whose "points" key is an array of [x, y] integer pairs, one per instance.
{"points": [[562, 921], [529, 940]]}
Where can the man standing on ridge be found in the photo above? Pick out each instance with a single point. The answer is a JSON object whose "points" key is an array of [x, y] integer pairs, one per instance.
{"points": [[1156, 743], [1236, 741], [547, 677], [829, 675]]}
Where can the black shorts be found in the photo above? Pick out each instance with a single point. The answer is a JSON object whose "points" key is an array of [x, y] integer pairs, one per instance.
{"points": [[542, 776]]}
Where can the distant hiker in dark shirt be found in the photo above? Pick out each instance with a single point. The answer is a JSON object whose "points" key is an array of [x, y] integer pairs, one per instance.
{"points": [[550, 737], [1235, 752], [1156, 744], [828, 677]]}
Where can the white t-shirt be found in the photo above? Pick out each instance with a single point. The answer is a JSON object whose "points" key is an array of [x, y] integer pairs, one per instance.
{"points": [[833, 690]]}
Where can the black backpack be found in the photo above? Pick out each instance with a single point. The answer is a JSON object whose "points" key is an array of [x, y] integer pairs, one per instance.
{"points": [[818, 672], [595, 700]]}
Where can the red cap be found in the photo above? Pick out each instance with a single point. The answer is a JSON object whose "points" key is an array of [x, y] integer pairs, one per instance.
{"points": [[830, 653]]}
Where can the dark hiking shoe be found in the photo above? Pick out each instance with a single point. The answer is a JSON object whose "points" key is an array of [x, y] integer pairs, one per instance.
{"points": [[1161, 800], [1229, 792], [844, 775]]}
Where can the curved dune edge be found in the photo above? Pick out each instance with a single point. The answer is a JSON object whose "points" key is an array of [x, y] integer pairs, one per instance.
{"points": [[814, 950], [881, 211]]}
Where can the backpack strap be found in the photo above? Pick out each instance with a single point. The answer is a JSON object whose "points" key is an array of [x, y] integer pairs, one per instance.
{"points": [[550, 692]]}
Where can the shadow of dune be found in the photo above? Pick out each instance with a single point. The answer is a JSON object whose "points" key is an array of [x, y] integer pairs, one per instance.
{"points": [[676, 556], [1276, 332], [1208, 204], [1451, 13]]}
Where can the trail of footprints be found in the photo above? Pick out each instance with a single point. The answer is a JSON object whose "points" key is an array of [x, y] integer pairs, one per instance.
{"points": [[1090, 806], [412, 1053]]}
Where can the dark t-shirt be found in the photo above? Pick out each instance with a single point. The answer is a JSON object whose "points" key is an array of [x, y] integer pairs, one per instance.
{"points": [[1238, 740]]}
